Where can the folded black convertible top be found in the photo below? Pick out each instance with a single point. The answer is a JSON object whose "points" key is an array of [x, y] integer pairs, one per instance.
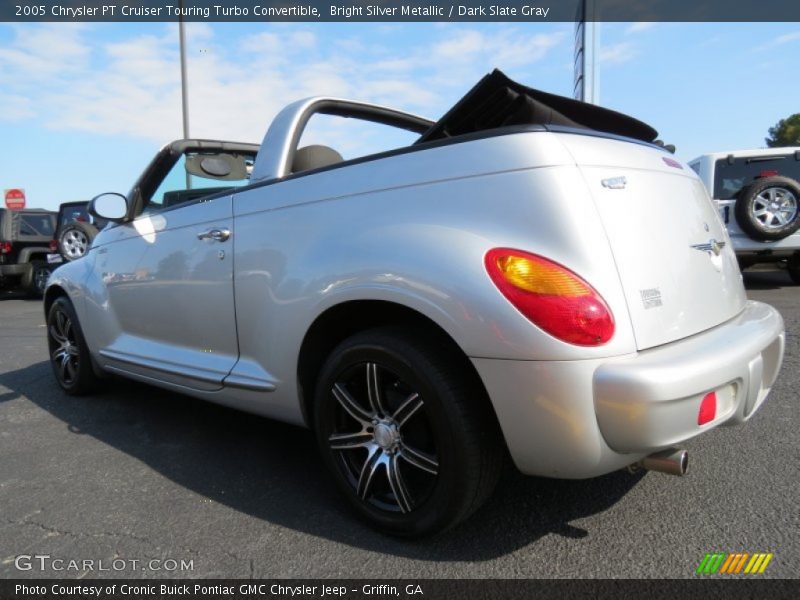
{"points": [[497, 101]]}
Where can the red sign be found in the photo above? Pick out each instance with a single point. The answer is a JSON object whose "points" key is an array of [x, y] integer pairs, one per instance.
{"points": [[15, 198]]}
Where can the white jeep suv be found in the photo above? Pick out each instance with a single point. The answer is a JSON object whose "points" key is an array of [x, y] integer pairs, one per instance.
{"points": [[757, 193]]}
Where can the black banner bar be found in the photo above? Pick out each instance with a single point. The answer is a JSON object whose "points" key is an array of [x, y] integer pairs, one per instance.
{"points": [[396, 10], [729, 588]]}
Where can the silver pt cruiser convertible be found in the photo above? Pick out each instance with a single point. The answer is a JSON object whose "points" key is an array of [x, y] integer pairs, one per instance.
{"points": [[532, 275]]}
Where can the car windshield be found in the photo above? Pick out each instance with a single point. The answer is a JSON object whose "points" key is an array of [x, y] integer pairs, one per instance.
{"points": [[179, 186], [729, 179]]}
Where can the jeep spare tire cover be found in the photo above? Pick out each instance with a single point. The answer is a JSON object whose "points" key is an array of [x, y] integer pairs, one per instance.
{"points": [[767, 209], [75, 239]]}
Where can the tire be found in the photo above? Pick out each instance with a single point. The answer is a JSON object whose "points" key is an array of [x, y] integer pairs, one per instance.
{"points": [[69, 354], [35, 280], [434, 432], [74, 240], [769, 209], [793, 268]]}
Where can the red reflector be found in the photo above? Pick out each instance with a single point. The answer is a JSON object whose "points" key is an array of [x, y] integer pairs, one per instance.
{"points": [[708, 409], [53, 245], [771, 173], [5, 247], [671, 162]]}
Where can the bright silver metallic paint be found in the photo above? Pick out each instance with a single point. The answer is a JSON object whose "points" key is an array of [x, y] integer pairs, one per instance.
{"points": [[160, 305]]}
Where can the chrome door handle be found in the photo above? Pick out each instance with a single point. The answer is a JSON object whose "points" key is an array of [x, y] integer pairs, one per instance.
{"points": [[219, 235]]}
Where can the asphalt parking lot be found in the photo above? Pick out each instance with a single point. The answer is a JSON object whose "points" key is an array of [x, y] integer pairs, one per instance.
{"points": [[138, 474]]}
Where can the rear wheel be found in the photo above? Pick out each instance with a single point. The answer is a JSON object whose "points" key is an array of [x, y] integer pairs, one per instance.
{"points": [[69, 354], [35, 281], [408, 436]]}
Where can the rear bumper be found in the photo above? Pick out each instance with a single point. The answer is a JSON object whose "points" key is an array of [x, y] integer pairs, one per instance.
{"points": [[14, 270], [743, 245], [579, 419], [653, 400]]}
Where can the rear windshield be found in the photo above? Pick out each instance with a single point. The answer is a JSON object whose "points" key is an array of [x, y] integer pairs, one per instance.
{"points": [[36, 225], [730, 178]]}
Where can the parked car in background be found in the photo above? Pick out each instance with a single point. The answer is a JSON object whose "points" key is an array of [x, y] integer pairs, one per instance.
{"points": [[75, 230], [26, 238], [533, 275], [757, 193]]}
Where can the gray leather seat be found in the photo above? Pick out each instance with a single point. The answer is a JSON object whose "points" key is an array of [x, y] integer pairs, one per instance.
{"points": [[314, 157]]}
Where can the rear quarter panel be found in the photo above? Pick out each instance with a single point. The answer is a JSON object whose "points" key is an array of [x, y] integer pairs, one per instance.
{"points": [[413, 229]]}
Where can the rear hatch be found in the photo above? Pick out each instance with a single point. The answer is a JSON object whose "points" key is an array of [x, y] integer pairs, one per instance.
{"points": [[665, 236]]}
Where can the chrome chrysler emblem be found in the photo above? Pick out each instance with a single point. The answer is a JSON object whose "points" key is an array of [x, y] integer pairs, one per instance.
{"points": [[614, 183], [712, 247]]}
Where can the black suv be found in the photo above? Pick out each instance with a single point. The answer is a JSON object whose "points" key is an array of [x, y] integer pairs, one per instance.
{"points": [[75, 230], [26, 238]]}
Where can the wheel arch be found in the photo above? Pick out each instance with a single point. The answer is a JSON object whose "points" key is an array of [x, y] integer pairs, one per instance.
{"points": [[343, 320], [51, 294]]}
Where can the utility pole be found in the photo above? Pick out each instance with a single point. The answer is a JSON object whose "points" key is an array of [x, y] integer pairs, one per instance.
{"points": [[587, 33], [184, 83]]}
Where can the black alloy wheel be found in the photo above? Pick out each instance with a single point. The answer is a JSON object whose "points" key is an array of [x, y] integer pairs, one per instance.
{"points": [[406, 431], [383, 438], [69, 355]]}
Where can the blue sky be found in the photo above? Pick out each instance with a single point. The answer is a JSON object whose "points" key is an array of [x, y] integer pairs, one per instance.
{"points": [[83, 107]]}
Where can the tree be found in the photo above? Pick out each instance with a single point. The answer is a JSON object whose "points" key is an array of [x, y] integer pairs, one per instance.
{"points": [[786, 132]]}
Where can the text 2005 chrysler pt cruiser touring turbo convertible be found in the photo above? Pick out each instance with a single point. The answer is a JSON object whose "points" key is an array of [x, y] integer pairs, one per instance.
{"points": [[533, 273]]}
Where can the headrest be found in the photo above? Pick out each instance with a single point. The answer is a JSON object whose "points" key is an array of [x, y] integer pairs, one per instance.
{"points": [[314, 157]]}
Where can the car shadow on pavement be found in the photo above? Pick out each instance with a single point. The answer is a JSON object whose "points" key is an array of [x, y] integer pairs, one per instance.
{"points": [[272, 471], [15, 294], [766, 279]]}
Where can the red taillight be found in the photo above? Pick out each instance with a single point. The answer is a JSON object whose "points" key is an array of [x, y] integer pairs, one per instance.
{"points": [[551, 296], [5, 247], [770, 173], [708, 409], [53, 245]]}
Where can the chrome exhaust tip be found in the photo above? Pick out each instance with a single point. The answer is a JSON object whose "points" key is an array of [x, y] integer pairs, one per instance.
{"points": [[672, 461]]}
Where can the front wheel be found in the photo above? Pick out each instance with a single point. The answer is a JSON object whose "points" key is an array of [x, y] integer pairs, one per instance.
{"points": [[406, 431], [69, 354]]}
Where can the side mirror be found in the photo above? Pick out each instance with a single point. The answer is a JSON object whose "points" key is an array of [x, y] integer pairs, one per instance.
{"points": [[110, 206]]}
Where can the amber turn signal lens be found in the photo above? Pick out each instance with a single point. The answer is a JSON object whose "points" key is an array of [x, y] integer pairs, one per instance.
{"points": [[540, 277]]}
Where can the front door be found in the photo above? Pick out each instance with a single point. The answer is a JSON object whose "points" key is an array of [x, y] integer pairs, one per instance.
{"points": [[168, 281]]}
